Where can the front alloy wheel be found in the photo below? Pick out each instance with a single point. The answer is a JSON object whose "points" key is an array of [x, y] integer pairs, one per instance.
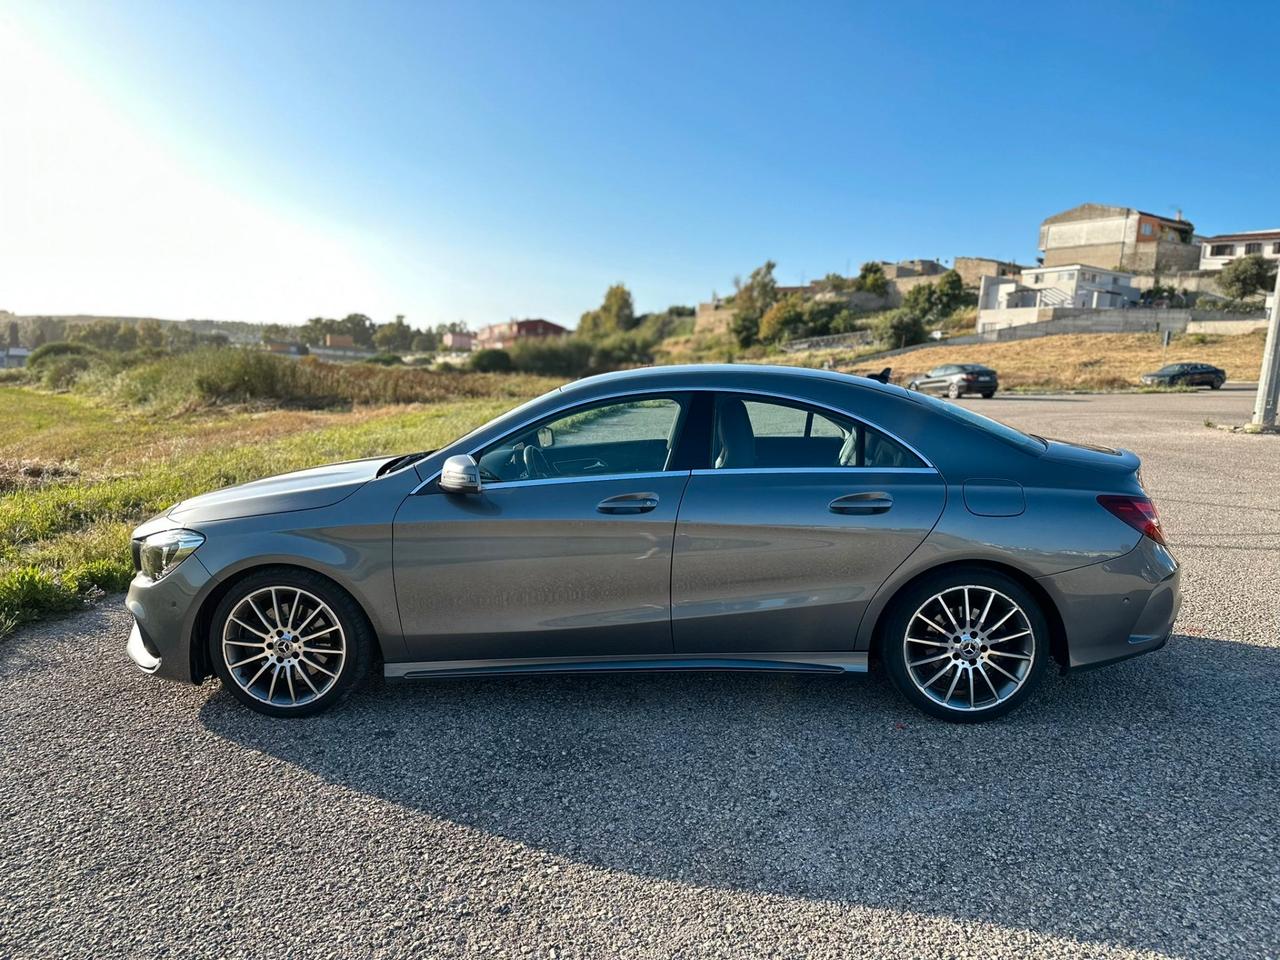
{"points": [[967, 647], [288, 643]]}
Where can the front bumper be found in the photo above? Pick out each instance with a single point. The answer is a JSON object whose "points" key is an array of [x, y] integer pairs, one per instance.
{"points": [[164, 615], [1118, 608]]}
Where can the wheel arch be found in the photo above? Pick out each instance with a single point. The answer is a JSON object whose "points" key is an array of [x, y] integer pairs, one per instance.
{"points": [[199, 648], [1057, 628]]}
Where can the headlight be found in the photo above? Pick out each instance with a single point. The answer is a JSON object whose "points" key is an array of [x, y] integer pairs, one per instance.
{"points": [[163, 551]]}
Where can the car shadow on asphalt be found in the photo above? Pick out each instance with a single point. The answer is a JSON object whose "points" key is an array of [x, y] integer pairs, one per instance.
{"points": [[1125, 806]]}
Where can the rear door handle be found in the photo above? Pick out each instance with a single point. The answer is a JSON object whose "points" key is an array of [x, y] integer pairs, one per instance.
{"points": [[861, 503], [628, 503]]}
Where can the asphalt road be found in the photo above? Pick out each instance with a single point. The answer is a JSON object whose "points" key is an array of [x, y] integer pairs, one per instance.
{"points": [[1126, 812]]}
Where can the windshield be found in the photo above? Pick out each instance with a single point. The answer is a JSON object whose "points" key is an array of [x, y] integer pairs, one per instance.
{"points": [[1005, 432], [1171, 368]]}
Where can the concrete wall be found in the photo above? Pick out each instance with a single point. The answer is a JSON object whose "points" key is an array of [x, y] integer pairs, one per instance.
{"points": [[1015, 324], [1227, 326]]}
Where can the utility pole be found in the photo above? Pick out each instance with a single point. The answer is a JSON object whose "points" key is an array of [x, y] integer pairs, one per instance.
{"points": [[1264, 408]]}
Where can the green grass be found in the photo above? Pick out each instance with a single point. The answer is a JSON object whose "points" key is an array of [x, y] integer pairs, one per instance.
{"points": [[64, 534]]}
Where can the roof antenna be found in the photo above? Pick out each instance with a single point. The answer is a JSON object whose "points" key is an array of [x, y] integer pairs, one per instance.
{"points": [[882, 376]]}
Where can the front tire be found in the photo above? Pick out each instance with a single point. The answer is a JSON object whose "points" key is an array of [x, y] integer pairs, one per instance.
{"points": [[1216, 385], [966, 645], [289, 643]]}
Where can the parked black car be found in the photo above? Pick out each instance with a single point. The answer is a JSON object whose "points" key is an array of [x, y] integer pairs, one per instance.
{"points": [[957, 379], [1187, 375]]}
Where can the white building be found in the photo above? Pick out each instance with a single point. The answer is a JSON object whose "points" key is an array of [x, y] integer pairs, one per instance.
{"points": [[1218, 251], [1039, 292], [1074, 285]]}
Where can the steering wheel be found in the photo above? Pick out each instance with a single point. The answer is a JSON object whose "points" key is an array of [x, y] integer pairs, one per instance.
{"points": [[535, 462]]}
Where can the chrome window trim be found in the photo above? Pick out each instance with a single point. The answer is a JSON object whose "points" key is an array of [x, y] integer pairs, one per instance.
{"points": [[712, 471], [583, 478], [773, 394]]}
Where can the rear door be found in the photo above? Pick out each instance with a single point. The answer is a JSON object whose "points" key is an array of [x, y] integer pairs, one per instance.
{"points": [[783, 541]]}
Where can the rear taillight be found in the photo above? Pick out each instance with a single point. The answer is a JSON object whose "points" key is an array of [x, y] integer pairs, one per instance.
{"points": [[970, 377], [1137, 512]]}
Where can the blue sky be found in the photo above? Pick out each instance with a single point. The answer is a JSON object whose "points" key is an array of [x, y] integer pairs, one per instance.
{"points": [[475, 161]]}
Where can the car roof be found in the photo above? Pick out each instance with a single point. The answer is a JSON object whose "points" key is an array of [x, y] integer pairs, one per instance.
{"points": [[716, 373]]}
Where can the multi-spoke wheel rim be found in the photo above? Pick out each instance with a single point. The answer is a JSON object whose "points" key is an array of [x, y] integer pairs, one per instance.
{"points": [[284, 646], [969, 648]]}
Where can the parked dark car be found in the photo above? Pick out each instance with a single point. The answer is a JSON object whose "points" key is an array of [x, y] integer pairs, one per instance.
{"points": [[1187, 375], [958, 379], [735, 517]]}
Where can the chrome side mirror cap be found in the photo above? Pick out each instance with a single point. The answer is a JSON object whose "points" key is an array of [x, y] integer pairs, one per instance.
{"points": [[460, 474]]}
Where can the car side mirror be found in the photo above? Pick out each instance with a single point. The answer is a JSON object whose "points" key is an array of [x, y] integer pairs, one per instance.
{"points": [[546, 437], [460, 474]]}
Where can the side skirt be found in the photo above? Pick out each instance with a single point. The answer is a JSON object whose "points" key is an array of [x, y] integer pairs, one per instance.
{"points": [[823, 662]]}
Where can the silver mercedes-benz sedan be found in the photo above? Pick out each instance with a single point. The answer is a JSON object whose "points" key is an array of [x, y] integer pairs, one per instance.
{"points": [[681, 518]]}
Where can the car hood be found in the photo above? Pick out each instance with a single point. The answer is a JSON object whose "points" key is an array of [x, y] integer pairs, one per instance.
{"points": [[1089, 454], [300, 490]]}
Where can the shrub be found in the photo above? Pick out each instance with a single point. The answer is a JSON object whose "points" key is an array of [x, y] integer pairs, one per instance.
{"points": [[385, 359], [901, 328], [490, 361], [553, 356], [60, 348]]}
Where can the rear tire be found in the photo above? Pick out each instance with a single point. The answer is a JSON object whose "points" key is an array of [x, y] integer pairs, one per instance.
{"points": [[289, 643], [953, 391], [966, 668], [988, 396]]}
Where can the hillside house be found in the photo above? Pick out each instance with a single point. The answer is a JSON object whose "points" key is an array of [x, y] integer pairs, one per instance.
{"points": [[1119, 239], [1217, 252], [497, 336]]}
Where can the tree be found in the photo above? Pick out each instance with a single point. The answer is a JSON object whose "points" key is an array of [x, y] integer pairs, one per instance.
{"points": [[617, 314], [949, 291], [871, 278], [1246, 276], [151, 334], [395, 337], [751, 300], [425, 342], [13, 334], [902, 328], [784, 320]]}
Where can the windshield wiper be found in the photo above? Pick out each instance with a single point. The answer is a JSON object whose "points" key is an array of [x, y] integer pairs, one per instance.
{"points": [[395, 463]]}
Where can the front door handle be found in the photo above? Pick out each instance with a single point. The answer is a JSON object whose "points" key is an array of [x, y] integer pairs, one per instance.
{"points": [[628, 503], [861, 503]]}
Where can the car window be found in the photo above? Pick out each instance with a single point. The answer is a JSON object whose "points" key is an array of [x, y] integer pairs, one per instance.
{"points": [[613, 437], [750, 432], [964, 415]]}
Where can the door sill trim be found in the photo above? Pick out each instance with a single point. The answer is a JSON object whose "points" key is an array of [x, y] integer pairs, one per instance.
{"points": [[829, 661]]}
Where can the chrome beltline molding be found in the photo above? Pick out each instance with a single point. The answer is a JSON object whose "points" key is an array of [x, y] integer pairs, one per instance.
{"points": [[829, 661]]}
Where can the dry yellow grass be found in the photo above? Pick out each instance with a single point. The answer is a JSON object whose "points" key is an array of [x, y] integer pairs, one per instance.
{"points": [[1099, 361]]}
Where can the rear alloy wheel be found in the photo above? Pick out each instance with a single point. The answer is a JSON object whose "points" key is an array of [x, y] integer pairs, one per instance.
{"points": [[953, 391], [288, 643], [966, 646]]}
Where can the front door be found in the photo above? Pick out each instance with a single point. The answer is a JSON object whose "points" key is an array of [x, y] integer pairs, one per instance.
{"points": [[566, 552], [781, 545]]}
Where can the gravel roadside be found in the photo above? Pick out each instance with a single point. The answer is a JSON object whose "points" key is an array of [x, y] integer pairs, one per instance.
{"points": [[1127, 812]]}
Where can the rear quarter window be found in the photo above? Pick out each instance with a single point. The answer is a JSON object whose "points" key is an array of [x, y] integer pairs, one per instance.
{"points": [[1008, 434]]}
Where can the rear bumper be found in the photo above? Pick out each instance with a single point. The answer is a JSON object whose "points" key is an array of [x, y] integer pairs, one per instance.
{"points": [[1118, 608], [164, 617]]}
